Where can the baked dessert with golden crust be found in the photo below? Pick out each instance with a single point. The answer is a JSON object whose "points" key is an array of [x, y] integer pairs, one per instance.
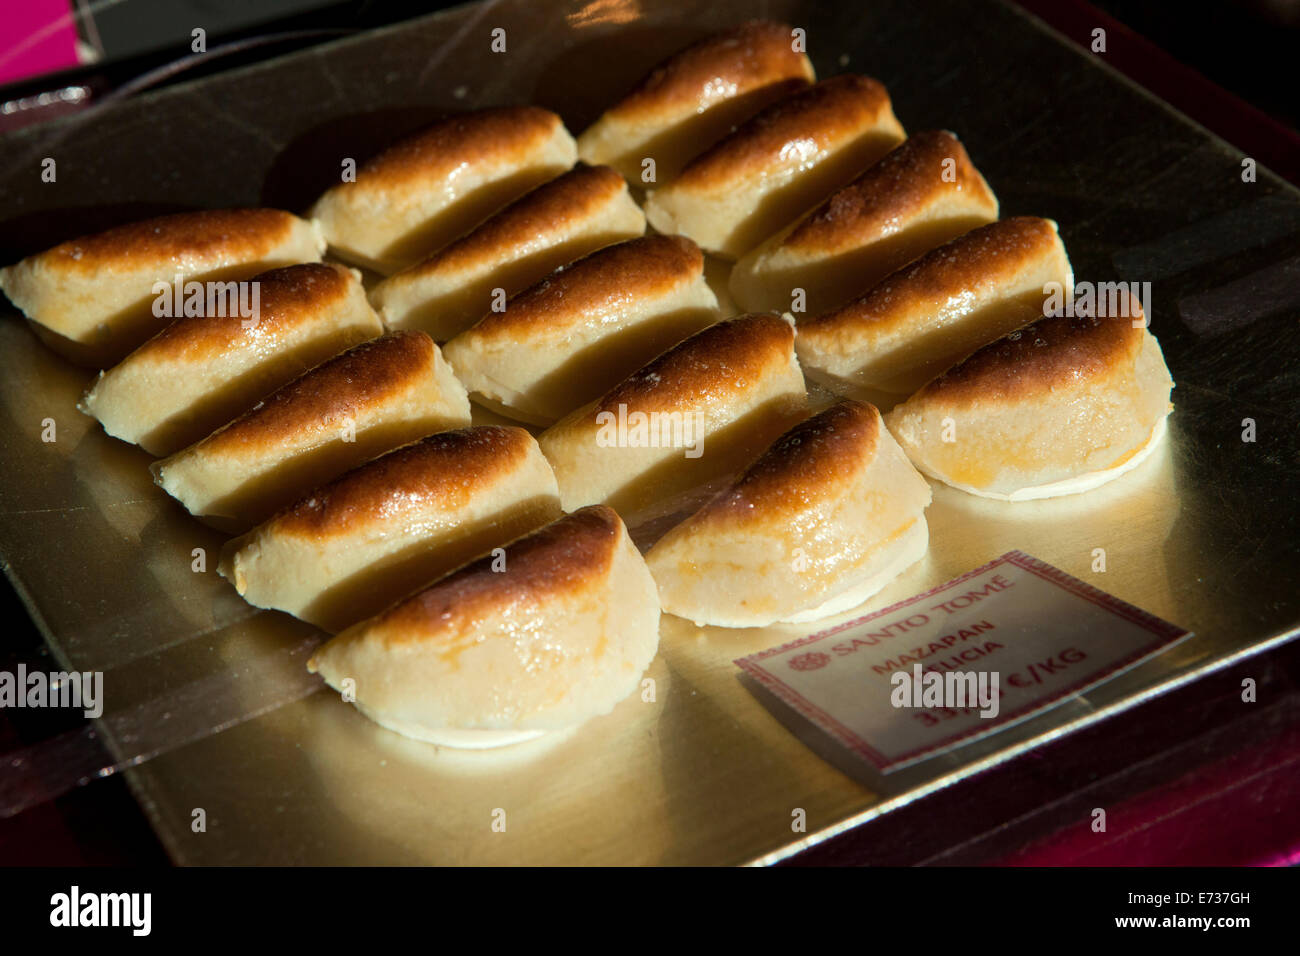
{"points": [[438, 183], [552, 633], [694, 98], [362, 403], [201, 371], [355, 545], [564, 219], [691, 416], [96, 298], [777, 165], [920, 195], [934, 311], [1057, 408], [823, 519], [566, 339]]}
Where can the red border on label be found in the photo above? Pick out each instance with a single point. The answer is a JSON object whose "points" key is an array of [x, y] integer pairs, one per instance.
{"points": [[1162, 629]]}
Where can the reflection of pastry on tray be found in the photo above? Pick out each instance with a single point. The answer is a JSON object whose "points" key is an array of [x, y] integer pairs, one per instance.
{"points": [[922, 194], [432, 186], [822, 520], [918, 321], [561, 220], [189, 596], [566, 339], [777, 165], [354, 546], [359, 404], [1059, 407], [396, 799], [202, 371], [92, 299], [692, 415], [553, 631], [695, 97]]}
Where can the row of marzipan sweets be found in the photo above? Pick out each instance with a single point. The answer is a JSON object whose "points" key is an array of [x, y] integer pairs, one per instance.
{"points": [[328, 430]]}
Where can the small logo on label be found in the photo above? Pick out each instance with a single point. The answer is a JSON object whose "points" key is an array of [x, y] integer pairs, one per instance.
{"points": [[809, 662]]}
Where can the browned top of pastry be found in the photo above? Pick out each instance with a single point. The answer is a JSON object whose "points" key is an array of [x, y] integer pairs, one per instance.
{"points": [[1050, 354], [981, 258], [572, 197], [204, 235], [285, 297], [752, 55], [903, 183], [811, 461], [602, 281], [501, 134], [806, 122], [712, 366], [328, 395], [566, 558], [443, 470]]}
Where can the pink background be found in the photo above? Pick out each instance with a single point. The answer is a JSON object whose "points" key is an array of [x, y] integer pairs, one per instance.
{"points": [[56, 49]]}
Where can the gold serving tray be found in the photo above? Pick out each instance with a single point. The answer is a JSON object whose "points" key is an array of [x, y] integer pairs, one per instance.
{"points": [[210, 698]]}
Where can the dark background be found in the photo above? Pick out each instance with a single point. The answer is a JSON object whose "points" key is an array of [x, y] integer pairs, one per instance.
{"points": [[1246, 47]]}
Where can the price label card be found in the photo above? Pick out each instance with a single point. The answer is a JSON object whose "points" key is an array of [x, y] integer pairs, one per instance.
{"points": [[987, 649]]}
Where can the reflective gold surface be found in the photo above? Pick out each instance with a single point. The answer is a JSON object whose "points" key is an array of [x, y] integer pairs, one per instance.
{"points": [[703, 772]]}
